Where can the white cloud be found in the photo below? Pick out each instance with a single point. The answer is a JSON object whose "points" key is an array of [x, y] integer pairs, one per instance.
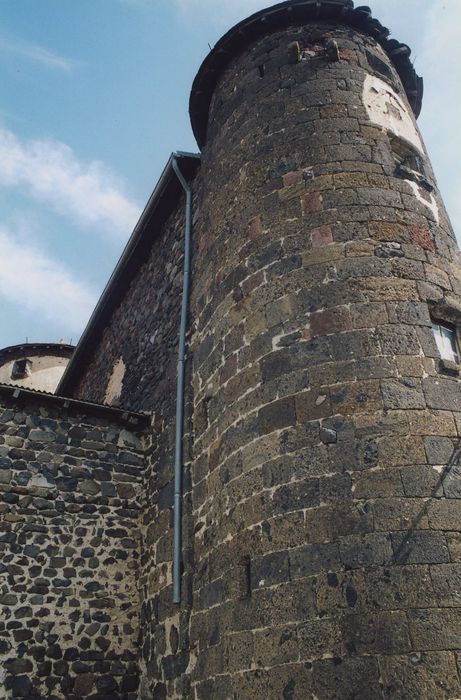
{"points": [[87, 193], [31, 280], [35, 53]]}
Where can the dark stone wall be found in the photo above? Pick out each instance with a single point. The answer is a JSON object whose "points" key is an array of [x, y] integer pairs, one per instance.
{"points": [[143, 329], [70, 486], [325, 481]]}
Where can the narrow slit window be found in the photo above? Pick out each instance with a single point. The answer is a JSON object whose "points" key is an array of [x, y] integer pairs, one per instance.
{"points": [[445, 337]]}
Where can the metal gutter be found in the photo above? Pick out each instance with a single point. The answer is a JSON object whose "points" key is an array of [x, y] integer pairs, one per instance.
{"points": [[119, 275], [179, 430]]}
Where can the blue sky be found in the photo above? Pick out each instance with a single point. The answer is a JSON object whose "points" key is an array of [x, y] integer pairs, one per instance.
{"points": [[95, 98]]}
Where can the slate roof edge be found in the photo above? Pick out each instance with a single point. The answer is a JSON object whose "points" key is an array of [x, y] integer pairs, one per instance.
{"points": [[133, 418], [130, 260], [293, 13]]}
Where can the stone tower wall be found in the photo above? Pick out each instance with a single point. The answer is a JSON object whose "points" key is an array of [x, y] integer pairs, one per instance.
{"points": [[325, 483]]}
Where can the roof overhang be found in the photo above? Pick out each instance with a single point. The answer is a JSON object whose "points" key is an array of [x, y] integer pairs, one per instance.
{"points": [[34, 349], [160, 205], [281, 16]]}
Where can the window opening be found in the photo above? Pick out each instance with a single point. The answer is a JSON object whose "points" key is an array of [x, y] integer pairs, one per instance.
{"points": [[409, 163], [21, 369], [445, 338]]}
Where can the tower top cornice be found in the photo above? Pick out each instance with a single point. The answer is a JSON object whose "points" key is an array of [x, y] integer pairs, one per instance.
{"points": [[279, 17]]}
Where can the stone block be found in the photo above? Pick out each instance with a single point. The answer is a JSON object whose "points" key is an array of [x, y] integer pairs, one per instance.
{"points": [[445, 514], [399, 340], [401, 451], [311, 203], [369, 315], [255, 227], [421, 236], [238, 651], [314, 559], [312, 405], [357, 397], [446, 579], [277, 415], [279, 311], [289, 682], [439, 450], [383, 483], [379, 633], [365, 551], [412, 312], [454, 545], [321, 236], [429, 674], [323, 254], [442, 393], [270, 570], [402, 587], [318, 639], [419, 547], [329, 321], [275, 646], [399, 514], [452, 481], [433, 630], [336, 488], [421, 481], [343, 677]]}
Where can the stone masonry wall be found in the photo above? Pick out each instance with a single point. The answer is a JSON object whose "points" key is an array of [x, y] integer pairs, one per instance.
{"points": [[322, 513], [325, 483], [70, 485], [143, 333]]}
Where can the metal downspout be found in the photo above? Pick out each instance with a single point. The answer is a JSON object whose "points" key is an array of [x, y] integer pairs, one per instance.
{"points": [[177, 542]]}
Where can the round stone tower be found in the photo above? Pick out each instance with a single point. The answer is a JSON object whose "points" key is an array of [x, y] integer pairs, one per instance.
{"points": [[327, 398]]}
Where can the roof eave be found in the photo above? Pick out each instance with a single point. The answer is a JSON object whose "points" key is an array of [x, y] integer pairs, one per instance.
{"points": [[105, 304]]}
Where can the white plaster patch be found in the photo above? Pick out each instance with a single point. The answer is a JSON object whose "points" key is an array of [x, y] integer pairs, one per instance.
{"points": [[114, 386], [432, 204], [387, 109]]}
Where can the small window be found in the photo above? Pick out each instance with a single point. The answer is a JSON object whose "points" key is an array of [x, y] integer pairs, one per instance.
{"points": [[21, 369], [445, 337]]}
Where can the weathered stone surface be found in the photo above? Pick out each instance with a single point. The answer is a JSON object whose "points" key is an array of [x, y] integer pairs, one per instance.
{"points": [[62, 555], [320, 533]]}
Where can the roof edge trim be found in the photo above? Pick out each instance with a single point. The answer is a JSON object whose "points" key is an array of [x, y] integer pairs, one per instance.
{"points": [[116, 277], [125, 416], [293, 13]]}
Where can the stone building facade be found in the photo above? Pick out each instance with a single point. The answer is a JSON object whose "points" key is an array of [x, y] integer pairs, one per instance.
{"points": [[321, 538]]}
